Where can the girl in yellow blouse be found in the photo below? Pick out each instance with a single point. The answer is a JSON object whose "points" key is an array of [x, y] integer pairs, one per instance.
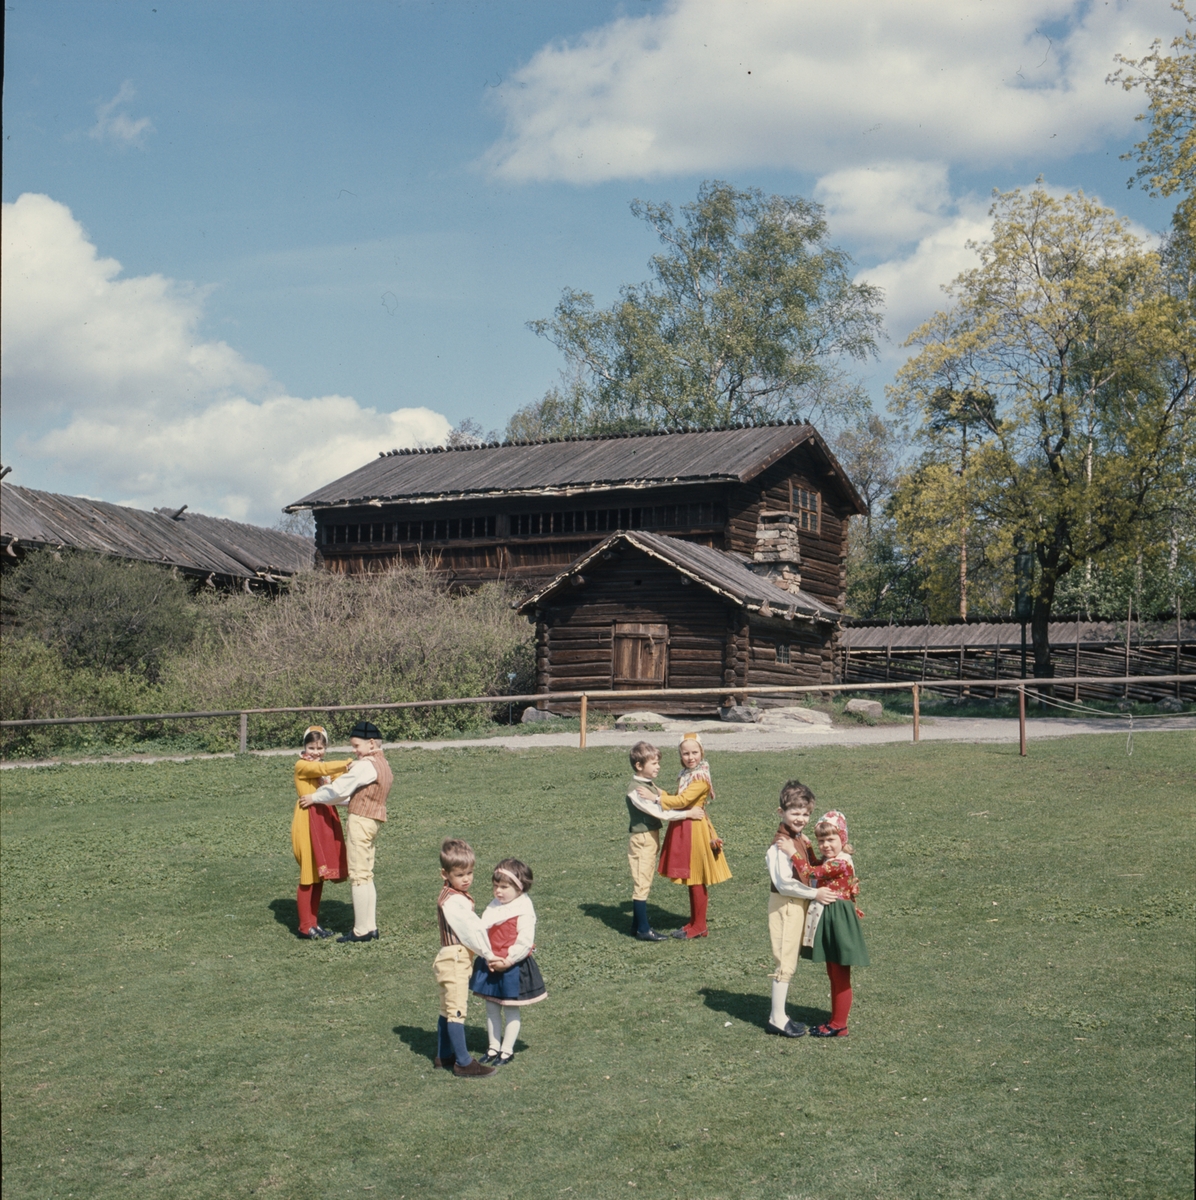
{"points": [[693, 855], [316, 835]]}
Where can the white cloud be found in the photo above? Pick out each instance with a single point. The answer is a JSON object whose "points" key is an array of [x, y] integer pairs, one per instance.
{"points": [[115, 126], [712, 85], [883, 206], [109, 385]]}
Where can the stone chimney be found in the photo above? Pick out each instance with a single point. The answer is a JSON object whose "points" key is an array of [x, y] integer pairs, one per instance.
{"points": [[777, 556]]}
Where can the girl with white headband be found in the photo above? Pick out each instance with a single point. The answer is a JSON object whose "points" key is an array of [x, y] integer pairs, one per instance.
{"points": [[515, 980]]}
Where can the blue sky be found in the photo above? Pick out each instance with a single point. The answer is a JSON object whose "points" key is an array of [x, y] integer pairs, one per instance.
{"points": [[332, 220]]}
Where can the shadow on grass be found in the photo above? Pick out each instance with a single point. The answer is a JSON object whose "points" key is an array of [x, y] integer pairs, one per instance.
{"points": [[334, 914], [618, 916], [753, 1008], [422, 1042]]}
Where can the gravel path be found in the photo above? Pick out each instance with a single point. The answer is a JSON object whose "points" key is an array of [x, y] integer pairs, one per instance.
{"points": [[742, 737]]}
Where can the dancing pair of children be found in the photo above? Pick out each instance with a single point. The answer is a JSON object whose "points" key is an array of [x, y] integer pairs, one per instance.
{"points": [[811, 909], [504, 974], [692, 853]]}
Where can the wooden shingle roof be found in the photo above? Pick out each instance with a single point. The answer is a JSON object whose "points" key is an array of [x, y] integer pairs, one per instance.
{"points": [[572, 466], [231, 551], [716, 570]]}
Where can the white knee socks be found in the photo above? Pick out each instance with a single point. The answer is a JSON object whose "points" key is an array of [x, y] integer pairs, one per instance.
{"points": [[365, 904], [780, 990], [494, 1025], [512, 1031], [500, 1038]]}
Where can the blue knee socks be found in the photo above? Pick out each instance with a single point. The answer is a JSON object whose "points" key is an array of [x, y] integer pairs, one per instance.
{"points": [[444, 1048], [456, 1036], [639, 916]]}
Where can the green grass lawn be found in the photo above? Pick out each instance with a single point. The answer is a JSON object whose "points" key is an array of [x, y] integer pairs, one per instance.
{"points": [[1025, 1029]]}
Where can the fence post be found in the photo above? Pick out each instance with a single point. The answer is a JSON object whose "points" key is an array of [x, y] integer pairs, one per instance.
{"points": [[1021, 719], [917, 729], [584, 705], [244, 733]]}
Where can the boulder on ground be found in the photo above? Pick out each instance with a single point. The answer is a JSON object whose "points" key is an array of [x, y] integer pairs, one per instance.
{"points": [[741, 714], [865, 708], [640, 720], [794, 715], [1170, 704], [532, 715]]}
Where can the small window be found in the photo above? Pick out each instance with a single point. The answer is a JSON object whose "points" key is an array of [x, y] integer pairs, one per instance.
{"points": [[807, 505], [783, 652]]}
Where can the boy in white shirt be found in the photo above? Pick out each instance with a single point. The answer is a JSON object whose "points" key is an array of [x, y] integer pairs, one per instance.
{"points": [[461, 937], [788, 901]]}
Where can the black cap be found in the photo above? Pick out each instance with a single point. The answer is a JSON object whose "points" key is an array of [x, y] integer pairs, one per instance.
{"points": [[366, 729]]}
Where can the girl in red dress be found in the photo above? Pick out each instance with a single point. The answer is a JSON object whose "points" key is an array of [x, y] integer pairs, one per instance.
{"points": [[833, 934]]}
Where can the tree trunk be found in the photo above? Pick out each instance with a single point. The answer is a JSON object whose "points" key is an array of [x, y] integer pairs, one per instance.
{"points": [[1040, 630]]}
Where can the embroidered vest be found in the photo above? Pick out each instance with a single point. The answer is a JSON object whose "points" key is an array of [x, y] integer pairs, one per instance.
{"points": [[447, 936], [370, 801]]}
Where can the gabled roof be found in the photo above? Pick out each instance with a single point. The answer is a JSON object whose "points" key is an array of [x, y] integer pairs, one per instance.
{"points": [[196, 544], [569, 466], [716, 570]]}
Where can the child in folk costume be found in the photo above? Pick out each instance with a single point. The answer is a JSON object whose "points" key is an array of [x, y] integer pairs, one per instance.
{"points": [[692, 853], [789, 899], [316, 835], [645, 820], [460, 933], [833, 934], [508, 978]]}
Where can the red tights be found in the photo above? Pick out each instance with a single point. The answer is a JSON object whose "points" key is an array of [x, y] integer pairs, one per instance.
{"points": [[698, 897], [840, 977], [308, 898]]}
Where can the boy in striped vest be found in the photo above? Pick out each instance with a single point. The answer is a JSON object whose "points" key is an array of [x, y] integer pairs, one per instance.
{"points": [[461, 933], [363, 788]]}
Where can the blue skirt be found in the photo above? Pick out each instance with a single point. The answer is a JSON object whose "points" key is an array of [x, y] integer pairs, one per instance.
{"points": [[518, 985]]}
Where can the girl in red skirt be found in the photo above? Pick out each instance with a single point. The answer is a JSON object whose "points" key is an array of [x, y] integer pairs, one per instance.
{"points": [[316, 836], [692, 852]]}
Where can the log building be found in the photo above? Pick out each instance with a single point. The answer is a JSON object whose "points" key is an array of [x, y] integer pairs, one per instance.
{"points": [[641, 610], [524, 511]]}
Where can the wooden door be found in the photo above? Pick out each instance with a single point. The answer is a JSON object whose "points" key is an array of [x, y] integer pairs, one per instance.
{"points": [[639, 655]]}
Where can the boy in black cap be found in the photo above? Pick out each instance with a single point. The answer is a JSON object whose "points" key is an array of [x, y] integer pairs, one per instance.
{"points": [[364, 788]]}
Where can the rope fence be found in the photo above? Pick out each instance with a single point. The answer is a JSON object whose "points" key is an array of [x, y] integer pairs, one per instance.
{"points": [[1036, 687]]}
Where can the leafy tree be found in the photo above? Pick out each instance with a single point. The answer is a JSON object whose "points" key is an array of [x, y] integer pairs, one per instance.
{"points": [[749, 316], [106, 614], [1071, 326], [468, 432], [1167, 155]]}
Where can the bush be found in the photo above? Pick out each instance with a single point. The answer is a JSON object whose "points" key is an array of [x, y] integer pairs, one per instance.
{"points": [[344, 639], [102, 614]]}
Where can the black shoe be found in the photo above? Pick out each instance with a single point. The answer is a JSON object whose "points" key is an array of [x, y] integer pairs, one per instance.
{"points": [[320, 932], [793, 1029], [828, 1031], [372, 936], [503, 1059], [490, 1058], [650, 935]]}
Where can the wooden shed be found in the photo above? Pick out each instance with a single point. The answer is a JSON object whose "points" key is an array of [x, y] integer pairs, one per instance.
{"points": [[642, 610], [523, 511]]}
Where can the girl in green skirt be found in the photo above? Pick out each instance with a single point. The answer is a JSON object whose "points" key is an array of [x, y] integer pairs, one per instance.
{"points": [[833, 934]]}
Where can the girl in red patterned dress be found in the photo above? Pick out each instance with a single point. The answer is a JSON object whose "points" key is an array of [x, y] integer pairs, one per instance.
{"points": [[511, 980], [316, 836], [833, 934]]}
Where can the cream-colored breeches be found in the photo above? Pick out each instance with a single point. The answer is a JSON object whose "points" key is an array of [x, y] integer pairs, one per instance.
{"points": [[642, 851], [786, 923], [451, 969], [360, 835]]}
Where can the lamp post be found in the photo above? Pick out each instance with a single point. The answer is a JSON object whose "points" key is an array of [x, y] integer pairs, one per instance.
{"points": [[1023, 570]]}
